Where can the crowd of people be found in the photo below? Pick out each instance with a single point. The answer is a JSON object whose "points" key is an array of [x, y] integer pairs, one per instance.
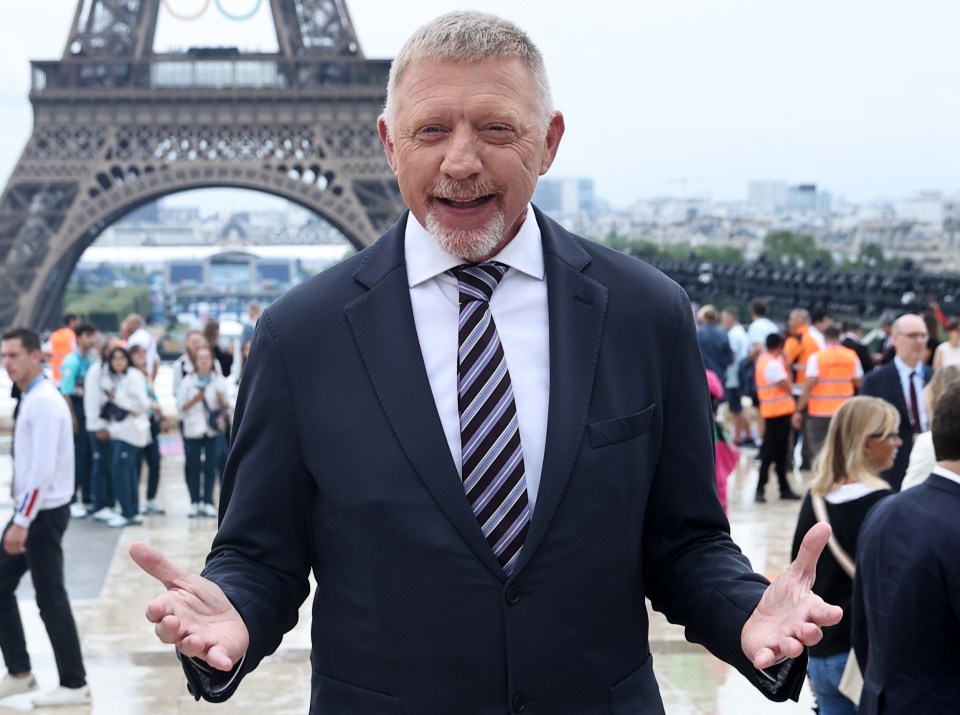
{"points": [[109, 382], [860, 414]]}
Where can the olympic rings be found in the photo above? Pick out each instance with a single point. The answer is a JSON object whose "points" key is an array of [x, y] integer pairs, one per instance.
{"points": [[186, 18], [238, 18]]}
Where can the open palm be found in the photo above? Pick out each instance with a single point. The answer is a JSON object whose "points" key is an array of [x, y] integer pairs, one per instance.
{"points": [[193, 614]]}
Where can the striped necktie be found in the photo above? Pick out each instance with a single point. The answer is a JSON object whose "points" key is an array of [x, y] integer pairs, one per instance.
{"points": [[493, 471]]}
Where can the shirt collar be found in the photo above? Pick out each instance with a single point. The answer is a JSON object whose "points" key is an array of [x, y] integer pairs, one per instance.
{"points": [[426, 260], [904, 370], [946, 473]]}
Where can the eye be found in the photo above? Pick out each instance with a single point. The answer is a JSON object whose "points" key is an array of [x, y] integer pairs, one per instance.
{"points": [[431, 132]]}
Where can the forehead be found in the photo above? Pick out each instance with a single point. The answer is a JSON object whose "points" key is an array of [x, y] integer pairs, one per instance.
{"points": [[910, 324], [432, 85], [11, 345]]}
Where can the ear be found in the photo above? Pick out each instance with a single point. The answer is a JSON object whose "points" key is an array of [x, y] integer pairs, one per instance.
{"points": [[384, 132], [552, 141]]}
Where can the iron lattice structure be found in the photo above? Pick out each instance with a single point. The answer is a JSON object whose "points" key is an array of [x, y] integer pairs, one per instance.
{"points": [[117, 125]]}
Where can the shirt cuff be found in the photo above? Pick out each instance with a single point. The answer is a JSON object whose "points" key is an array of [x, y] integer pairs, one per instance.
{"points": [[208, 683]]}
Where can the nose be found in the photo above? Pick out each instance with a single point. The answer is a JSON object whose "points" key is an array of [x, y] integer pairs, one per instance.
{"points": [[462, 158]]}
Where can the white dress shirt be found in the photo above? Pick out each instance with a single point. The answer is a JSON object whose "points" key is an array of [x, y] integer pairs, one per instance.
{"points": [[519, 308], [904, 370]]}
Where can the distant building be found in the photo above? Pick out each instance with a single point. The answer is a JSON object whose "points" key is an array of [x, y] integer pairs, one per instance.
{"points": [[767, 197], [777, 197], [928, 207], [805, 198], [570, 201]]}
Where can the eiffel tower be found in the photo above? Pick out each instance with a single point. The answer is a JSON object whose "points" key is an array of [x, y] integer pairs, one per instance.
{"points": [[117, 125]]}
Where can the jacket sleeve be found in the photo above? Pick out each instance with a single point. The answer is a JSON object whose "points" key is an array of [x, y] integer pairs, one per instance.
{"points": [[262, 554], [37, 467]]}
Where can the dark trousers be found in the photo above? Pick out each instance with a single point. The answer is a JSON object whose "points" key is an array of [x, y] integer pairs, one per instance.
{"points": [[82, 459], [151, 455], [123, 472], [201, 452], [44, 560], [101, 485], [776, 440]]}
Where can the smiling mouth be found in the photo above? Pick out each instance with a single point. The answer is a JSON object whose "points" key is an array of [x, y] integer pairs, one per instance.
{"points": [[465, 203]]}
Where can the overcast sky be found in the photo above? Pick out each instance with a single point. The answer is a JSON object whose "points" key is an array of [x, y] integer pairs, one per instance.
{"points": [[679, 97]]}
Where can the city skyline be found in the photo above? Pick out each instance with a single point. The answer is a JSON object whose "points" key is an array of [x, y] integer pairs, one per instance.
{"points": [[689, 100]]}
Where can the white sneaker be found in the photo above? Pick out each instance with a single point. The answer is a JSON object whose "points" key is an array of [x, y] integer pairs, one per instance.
{"points": [[152, 507], [78, 511], [105, 514], [63, 696], [117, 521], [11, 685], [194, 510], [208, 510]]}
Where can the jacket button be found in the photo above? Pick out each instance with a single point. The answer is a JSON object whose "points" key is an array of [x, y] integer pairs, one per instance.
{"points": [[519, 703], [511, 595]]}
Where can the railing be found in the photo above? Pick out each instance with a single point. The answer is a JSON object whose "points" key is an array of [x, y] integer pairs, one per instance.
{"points": [[184, 73]]}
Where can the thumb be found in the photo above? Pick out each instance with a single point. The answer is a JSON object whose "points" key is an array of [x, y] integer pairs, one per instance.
{"points": [[158, 566], [811, 547]]}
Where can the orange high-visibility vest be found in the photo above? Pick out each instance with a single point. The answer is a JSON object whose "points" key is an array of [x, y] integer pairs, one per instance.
{"points": [[796, 349], [775, 400], [62, 342], [834, 386]]}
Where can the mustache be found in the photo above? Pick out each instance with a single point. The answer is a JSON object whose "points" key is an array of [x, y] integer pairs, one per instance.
{"points": [[463, 190]]}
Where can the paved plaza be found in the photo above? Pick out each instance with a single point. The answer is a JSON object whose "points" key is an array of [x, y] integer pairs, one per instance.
{"points": [[131, 673]]}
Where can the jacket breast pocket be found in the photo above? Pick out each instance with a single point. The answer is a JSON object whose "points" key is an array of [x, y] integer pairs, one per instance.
{"points": [[620, 429], [335, 696]]}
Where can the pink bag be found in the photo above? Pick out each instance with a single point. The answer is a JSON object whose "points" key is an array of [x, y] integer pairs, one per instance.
{"points": [[727, 458]]}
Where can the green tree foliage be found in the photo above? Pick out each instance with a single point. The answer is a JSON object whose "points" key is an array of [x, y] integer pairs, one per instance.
{"points": [[651, 250], [108, 306], [787, 248]]}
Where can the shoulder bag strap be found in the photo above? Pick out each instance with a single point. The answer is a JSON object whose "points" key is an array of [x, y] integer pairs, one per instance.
{"points": [[842, 557]]}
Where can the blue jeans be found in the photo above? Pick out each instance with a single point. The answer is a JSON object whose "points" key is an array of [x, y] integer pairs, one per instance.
{"points": [[101, 485], [209, 447], [825, 676], [124, 474], [151, 455]]}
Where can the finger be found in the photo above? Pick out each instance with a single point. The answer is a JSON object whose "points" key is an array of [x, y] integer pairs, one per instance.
{"points": [[168, 630], [155, 564], [193, 646], [218, 658], [764, 658], [810, 549], [824, 614], [810, 634]]}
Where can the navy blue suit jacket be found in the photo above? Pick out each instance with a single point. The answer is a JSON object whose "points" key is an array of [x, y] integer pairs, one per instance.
{"points": [[906, 602], [884, 382], [339, 465]]}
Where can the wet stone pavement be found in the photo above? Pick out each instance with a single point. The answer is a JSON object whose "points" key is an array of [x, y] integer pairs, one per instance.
{"points": [[132, 673]]}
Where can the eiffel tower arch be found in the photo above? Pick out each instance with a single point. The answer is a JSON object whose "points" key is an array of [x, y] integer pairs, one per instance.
{"points": [[117, 125]]}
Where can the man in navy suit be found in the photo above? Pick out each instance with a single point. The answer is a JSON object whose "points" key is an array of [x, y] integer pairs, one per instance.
{"points": [[900, 382], [906, 595], [351, 457]]}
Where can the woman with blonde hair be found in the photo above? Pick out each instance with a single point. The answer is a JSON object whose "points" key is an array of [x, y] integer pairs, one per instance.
{"points": [[862, 441], [922, 458]]}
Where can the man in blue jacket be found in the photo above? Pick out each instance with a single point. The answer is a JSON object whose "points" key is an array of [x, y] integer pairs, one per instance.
{"points": [[489, 440]]}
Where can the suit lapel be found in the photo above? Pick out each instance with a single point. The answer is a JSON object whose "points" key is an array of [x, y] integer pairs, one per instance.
{"points": [[577, 306], [386, 335]]}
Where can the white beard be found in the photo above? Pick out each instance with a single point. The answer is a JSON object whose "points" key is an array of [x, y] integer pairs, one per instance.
{"points": [[472, 245]]}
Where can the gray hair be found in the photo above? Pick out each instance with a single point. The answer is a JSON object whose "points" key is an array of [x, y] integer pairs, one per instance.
{"points": [[469, 37]]}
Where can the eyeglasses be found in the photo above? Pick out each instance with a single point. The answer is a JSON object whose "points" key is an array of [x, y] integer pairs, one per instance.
{"points": [[889, 436], [915, 336]]}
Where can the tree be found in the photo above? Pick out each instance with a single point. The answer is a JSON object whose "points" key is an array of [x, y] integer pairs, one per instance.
{"points": [[787, 248]]}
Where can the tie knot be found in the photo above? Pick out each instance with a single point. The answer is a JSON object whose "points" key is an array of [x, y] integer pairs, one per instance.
{"points": [[478, 280]]}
